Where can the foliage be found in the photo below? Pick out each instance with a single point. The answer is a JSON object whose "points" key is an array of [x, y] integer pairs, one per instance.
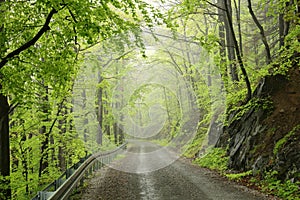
{"points": [[280, 143], [269, 183], [255, 103], [238, 176], [192, 148], [286, 190], [89, 38], [215, 159], [42, 50]]}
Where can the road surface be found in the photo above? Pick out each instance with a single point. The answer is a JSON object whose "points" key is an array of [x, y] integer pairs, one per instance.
{"points": [[156, 179]]}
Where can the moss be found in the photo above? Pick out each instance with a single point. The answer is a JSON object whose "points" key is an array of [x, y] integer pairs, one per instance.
{"points": [[255, 103], [280, 143]]}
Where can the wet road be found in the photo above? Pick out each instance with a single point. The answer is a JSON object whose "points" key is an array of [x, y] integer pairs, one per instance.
{"points": [[160, 176]]}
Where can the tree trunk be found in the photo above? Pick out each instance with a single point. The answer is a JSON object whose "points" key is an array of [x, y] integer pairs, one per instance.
{"points": [[86, 120], [43, 131], [4, 145], [62, 126], [100, 110], [25, 161], [116, 133], [108, 122], [4, 125], [222, 49], [230, 37], [168, 111], [238, 18], [262, 33], [238, 54], [284, 25]]}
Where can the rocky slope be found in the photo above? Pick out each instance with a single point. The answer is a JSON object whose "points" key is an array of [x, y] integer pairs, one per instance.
{"points": [[265, 134]]}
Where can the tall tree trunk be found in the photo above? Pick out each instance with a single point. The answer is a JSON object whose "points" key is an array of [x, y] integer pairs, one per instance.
{"points": [[230, 37], [4, 122], [4, 144], [121, 132], [86, 120], [284, 25], [116, 132], [238, 54], [237, 6], [25, 161], [222, 49], [262, 33], [62, 126], [46, 135], [100, 109], [108, 122], [168, 113]]}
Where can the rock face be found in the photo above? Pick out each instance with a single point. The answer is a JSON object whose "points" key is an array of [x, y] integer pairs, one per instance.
{"points": [[262, 134]]}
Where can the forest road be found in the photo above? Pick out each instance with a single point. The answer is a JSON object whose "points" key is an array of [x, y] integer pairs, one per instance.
{"points": [[179, 180]]}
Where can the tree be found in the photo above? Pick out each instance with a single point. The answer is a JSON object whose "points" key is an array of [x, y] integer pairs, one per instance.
{"points": [[34, 48], [262, 32], [4, 120]]}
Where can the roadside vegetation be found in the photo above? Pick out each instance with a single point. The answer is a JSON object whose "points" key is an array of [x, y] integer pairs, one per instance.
{"points": [[216, 159]]}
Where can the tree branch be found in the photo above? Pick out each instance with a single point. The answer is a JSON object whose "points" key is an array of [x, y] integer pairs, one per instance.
{"points": [[30, 43], [214, 5], [262, 32]]}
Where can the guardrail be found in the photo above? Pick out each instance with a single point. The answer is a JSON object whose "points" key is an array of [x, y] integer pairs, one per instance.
{"points": [[62, 187]]}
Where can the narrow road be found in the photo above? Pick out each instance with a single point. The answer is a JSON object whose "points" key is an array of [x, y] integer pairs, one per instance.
{"points": [[157, 178]]}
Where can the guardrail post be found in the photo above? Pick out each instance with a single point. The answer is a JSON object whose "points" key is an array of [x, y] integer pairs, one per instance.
{"points": [[90, 170], [98, 165], [44, 195], [57, 183], [68, 173]]}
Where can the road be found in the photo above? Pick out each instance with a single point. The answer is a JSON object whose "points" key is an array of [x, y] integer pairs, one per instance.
{"points": [[148, 172]]}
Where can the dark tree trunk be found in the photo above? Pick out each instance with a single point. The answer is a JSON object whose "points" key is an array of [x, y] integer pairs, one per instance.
{"points": [[281, 24], [25, 161], [4, 144], [238, 18], [46, 139], [284, 25], [62, 124], [262, 33], [238, 54], [4, 125]]}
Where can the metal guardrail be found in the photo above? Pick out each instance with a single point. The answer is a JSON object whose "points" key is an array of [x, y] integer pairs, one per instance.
{"points": [[63, 187]]}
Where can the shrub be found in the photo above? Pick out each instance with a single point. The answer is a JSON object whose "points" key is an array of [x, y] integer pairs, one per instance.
{"points": [[215, 159]]}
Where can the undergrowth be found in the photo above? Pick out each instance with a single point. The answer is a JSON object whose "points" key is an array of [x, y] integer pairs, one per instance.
{"points": [[216, 159], [288, 190]]}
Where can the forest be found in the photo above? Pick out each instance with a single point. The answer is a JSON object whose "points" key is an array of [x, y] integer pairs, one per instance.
{"points": [[78, 77]]}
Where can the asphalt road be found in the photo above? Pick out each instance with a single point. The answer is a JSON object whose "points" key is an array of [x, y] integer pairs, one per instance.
{"points": [[148, 171]]}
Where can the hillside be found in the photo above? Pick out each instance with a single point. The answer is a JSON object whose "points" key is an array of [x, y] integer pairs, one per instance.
{"points": [[264, 135]]}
